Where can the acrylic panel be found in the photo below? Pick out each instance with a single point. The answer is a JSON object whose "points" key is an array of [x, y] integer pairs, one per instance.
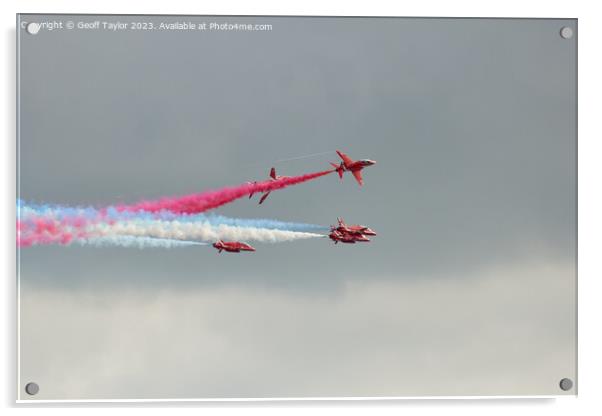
{"points": [[214, 207]]}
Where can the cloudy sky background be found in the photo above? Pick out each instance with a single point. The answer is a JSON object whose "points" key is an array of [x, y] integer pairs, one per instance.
{"points": [[468, 288]]}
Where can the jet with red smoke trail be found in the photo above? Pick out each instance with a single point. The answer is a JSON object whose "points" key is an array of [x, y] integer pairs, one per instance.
{"points": [[337, 236], [273, 177], [353, 166], [351, 229], [232, 246]]}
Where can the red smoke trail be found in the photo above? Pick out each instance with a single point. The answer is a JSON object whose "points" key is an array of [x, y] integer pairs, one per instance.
{"points": [[36, 230], [197, 203], [45, 231]]}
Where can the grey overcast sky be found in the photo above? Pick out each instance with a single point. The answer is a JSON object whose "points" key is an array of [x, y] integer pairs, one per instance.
{"points": [[472, 123]]}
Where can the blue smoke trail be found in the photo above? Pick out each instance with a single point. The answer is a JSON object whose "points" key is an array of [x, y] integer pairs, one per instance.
{"points": [[136, 242], [60, 212]]}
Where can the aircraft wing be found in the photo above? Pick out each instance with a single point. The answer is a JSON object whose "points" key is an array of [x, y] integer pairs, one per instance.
{"points": [[346, 159], [263, 198], [358, 176]]}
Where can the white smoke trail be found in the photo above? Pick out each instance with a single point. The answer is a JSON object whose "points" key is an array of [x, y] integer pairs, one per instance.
{"points": [[303, 157], [135, 242], [288, 159], [204, 231]]}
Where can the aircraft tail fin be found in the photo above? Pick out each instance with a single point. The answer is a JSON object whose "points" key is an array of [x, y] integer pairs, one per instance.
{"points": [[339, 169]]}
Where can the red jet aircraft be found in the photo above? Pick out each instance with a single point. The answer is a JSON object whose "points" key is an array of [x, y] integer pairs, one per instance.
{"points": [[355, 167], [232, 246], [273, 177], [352, 229], [337, 236]]}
